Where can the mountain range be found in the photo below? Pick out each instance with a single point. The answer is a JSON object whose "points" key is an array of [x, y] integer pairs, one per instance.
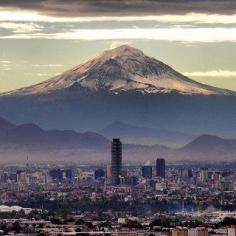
{"points": [[127, 86], [19, 141]]}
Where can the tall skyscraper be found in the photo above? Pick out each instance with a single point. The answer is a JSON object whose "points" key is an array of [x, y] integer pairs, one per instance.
{"points": [[116, 160], [147, 170], [160, 167]]}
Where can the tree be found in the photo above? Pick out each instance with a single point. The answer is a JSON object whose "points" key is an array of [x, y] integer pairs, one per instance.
{"points": [[16, 227], [79, 222], [133, 224], [228, 221]]}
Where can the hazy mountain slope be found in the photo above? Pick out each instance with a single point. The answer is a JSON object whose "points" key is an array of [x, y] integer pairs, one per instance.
{"points": [[209, 147], [40, 145], [20, 141], [146, 136], [31, 135], [210, 143], [5, 125]]}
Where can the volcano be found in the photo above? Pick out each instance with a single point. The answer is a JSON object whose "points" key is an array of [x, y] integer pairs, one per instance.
{"points": [[123, 69], [123, 85]]}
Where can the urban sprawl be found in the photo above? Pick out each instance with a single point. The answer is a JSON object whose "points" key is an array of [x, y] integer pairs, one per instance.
{"points": [[184, 199]]}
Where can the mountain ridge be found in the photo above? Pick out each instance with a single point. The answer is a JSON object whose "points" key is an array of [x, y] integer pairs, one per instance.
{"points": [[148, 136], [206, 142], [33, 135]]}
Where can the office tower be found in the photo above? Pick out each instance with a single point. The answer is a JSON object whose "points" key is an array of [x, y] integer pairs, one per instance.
{"points": [[190, 173], [160, 167], [108, 172], [147, 170], [204, 174], [56, 174], [116, 161], [99, 173], [4, 177], [69, 173], [184, 174]]}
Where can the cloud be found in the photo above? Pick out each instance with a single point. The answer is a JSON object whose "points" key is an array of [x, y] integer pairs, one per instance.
{"points": [[6, 68], [189, 35], [5, 65], [37, 74], [21, 27], [121, 7], [184, 19], [47, 65], [118, 43], [5, 62], [212, 73]]}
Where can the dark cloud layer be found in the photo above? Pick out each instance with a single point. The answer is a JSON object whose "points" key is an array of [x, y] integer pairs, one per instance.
{"points": [[122, 7]]}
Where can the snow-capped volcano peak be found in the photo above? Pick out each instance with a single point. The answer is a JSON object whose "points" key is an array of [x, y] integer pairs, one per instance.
{"points": [[123, 69], [122, 52]]}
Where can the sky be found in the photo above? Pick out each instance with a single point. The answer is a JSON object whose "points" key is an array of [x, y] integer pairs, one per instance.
{"points": [[42, 38]]}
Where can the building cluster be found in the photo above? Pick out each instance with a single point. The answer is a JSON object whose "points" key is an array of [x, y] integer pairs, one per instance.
{"points": [[46, 227], [116, 175]]}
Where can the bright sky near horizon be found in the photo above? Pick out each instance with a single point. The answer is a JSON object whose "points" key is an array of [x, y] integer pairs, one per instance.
{"points": [[42, 38]]}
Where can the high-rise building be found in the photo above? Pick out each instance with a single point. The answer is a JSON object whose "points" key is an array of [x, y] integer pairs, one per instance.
{"points": [[204, 174], [56, 174], [160, 167], [108, 172], [147, 170], [99, 173], [69, 173], [116, 161]]}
